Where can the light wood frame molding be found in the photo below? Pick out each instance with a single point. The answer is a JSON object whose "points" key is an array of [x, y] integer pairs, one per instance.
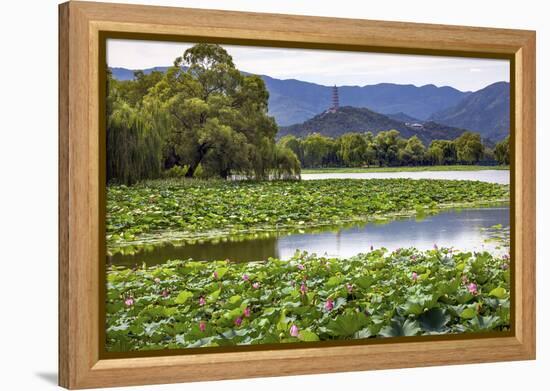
{"points": [[80, 24]]}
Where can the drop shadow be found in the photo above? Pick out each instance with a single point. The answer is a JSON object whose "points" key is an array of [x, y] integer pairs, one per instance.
{"points": [[49, 377]]}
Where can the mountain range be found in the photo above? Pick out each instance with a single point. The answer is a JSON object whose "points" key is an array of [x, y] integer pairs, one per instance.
{"points": [[486, 111], [293, 102]]}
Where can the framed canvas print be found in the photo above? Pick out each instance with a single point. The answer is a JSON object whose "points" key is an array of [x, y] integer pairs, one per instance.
{"points": [[247, 195]]}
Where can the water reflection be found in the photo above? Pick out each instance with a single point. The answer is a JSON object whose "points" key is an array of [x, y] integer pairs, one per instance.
{"points": [[461, 229], [491, 176]]}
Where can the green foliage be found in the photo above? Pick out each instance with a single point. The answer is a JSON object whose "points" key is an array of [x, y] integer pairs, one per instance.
{"points": [[217, 116], [165, 210], [134, 146], [353, 149], [192, 304], [469, 148], [414, 152], [287, 164], [294, 144], [202, 113], [319, 151], [502, 151], [442, 152], [175, 172], [386, 149]]}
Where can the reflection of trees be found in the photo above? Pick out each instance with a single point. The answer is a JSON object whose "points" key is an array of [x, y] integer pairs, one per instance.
{"points": [[452, 226], [243, 250]]}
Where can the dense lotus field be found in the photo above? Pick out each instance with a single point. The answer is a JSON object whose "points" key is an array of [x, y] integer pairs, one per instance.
{"points": [[378, 294], [158, 211]]}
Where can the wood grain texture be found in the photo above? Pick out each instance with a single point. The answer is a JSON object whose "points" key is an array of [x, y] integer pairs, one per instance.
{"points": [[63, 219], [80, 365]]}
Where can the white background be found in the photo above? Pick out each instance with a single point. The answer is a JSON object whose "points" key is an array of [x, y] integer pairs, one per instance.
{"points": [[28, 194]]}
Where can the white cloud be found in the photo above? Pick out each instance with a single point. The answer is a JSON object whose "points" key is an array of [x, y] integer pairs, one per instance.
{"points": [[326, 67]]}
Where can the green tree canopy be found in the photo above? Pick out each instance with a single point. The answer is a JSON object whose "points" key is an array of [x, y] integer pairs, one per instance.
{"points": [[387, 147], [217, 116], [469, 148], [353, 149], [502, 151], [319, 151]]}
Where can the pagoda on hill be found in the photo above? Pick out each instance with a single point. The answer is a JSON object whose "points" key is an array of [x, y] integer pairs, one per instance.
{"points": [[335, 101]]}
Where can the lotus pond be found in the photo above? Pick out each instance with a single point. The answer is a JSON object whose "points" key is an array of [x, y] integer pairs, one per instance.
{"points": [[185, 303], [377, 294], [161, 211]]}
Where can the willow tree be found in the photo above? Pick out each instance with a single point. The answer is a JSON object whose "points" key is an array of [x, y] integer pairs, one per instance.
{"points": [[134, 147], [294, 144], [502, 151], [217, 117], [320, 151], [469, 148], [353, 149], [413, 153], [442, 152], [387, 148], [287, 164]]}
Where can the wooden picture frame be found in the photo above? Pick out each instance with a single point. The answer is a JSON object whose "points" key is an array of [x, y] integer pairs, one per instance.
{"points": [[81, 25]]}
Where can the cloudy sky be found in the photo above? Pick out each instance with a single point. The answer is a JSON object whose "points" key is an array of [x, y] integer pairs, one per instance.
{"points": [[325, 67]]}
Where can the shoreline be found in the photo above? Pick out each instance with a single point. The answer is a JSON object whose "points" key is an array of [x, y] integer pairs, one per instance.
{"points": [[165, 237], [364, 170]]}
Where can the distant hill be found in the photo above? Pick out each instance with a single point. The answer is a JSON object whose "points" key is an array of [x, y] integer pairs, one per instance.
{"points": [[403, 117], [293, 101], [128, 74], [354, 119], [486, 111]]}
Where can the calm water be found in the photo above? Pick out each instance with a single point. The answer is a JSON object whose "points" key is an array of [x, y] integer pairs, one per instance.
{"points": [[494, 176], [461, 229]]}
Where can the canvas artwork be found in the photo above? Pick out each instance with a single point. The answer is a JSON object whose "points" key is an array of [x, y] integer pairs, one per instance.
{"points": [[294, 197]]}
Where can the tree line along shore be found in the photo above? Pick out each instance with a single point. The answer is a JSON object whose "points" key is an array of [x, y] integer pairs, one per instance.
{"points": [[203, 118]]}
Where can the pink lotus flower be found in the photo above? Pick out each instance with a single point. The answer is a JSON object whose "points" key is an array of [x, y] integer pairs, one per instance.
{"points": [[157, 280], [300, 266], [472, 288], [129, 301], [202, 301], [294, 331], [303, 288], [256, 285], [246, 312], [414, 276], [329, 305], [165, 293], [238, 321], [215, 275], [349, 287], [202, 326], [245, 277]]}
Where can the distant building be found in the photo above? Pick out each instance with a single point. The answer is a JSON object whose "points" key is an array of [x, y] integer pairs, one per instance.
{"points": [[335, 101], [414, 125]]}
